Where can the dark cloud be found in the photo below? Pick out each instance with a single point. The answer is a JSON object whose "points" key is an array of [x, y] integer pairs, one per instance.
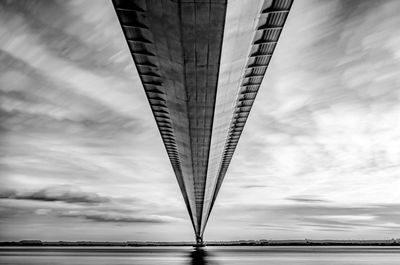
{"points": [[56, 194], [252, 186], [82, 205], [305, 199], [113, 217]]}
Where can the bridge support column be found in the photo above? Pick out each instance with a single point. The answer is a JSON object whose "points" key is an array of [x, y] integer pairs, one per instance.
{"points": [[199, 241]]}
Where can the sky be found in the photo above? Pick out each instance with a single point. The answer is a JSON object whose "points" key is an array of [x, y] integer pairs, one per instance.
{"points": [[81, 157]]}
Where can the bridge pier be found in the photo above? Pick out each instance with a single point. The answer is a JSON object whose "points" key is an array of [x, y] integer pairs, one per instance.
{"points": [[199, 241]]}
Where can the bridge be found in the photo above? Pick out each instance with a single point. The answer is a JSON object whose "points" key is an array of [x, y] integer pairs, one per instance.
{"points": [[201, 63]]}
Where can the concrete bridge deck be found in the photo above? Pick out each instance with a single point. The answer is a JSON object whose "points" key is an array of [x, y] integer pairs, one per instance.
{"points": [[201, 63]]}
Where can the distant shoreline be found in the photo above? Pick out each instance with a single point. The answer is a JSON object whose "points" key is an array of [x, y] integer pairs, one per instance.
{"points": [[38, 243]]}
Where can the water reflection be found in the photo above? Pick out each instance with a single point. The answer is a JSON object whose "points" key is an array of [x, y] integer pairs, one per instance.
{"points": [[200, 256], [208, 256]]}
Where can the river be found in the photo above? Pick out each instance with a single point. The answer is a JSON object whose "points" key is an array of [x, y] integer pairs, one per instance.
{"points": [[209, 255]]}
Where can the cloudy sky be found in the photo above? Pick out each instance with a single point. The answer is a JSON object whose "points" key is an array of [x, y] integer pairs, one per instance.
{"points": [[81, 157]]}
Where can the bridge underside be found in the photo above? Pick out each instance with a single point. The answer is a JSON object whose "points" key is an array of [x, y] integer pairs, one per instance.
{"points": [[201, 63]]}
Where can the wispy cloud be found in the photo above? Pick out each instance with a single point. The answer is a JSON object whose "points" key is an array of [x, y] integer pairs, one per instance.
{"points": [[317, 220], [98, 216], [61, 193]]}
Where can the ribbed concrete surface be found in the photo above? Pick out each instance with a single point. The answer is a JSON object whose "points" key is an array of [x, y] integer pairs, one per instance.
{"points": [[177, 47], [251, 34]]}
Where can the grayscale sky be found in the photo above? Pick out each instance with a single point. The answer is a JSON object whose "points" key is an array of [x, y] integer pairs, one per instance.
{"points": [[81, 157]]}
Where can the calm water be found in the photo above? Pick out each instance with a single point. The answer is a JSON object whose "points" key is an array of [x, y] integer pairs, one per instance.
{"points": [[210, 256]]}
